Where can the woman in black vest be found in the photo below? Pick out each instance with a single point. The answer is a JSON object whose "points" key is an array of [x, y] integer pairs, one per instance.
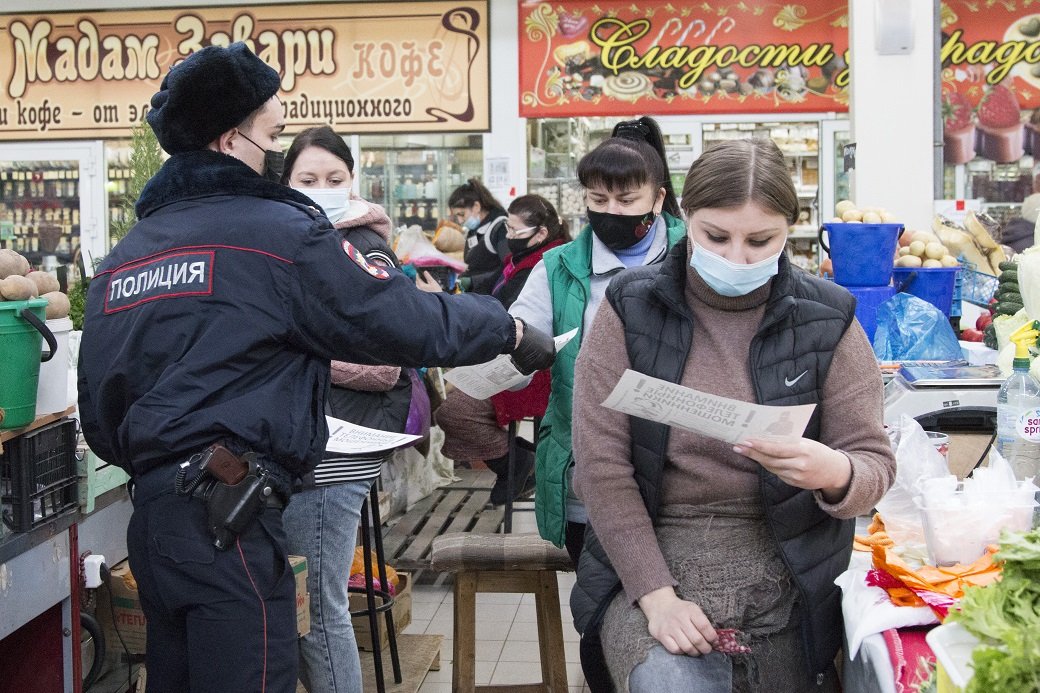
{"points": [[709, 564], [476, 209]]}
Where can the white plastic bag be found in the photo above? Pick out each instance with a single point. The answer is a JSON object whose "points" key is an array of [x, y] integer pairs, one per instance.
{"points": [[414, 248], [1029, 280], [916, 461], [962, 518]]}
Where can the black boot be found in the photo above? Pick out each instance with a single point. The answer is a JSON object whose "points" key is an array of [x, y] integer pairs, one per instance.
{"points": [[523, 477]]}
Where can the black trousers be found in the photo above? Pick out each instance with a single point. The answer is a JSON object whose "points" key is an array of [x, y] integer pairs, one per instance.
{"points": [[218, 621], [590, 650]]}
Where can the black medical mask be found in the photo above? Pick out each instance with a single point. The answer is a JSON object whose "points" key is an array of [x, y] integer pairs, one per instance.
{"points": [[274, 162], [518, 246], [620, 231]]}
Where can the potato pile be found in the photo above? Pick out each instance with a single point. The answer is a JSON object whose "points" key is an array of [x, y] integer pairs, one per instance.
{"points": [[916, 248], [847, 212], [923, 249], [18, 283]]}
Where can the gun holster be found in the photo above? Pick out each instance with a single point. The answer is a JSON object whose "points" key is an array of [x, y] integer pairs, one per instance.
{"points": [[230, 508]]}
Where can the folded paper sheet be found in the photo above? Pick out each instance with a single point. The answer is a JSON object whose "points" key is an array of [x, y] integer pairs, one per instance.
{"points": [[716, 417], [350, 439], [487, 379]]}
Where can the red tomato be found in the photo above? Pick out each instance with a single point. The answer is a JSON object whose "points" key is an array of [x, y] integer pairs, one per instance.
{"points": [[971, 335], [983, 321]]}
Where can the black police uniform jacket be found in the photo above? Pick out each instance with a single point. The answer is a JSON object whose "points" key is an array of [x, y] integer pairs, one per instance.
{"points": [[659, 330], [216, 317]]}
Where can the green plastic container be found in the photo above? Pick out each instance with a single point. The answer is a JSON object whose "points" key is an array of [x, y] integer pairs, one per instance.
{"points": [[22, 329]]}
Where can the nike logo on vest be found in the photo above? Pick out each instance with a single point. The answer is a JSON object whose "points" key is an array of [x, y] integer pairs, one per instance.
{"points": [[790, 383]]}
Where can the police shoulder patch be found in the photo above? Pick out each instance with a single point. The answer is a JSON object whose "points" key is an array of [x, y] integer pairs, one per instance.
{"points": [[361, 261]]}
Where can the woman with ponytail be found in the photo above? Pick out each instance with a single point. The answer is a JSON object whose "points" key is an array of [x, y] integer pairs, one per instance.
{"points": [[476, 209]]}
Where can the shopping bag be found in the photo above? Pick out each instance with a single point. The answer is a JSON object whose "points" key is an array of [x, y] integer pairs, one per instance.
{"points": [[909, 329]]}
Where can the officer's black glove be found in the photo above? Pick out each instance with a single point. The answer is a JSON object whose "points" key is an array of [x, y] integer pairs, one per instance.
{"points": [[536, 350]]}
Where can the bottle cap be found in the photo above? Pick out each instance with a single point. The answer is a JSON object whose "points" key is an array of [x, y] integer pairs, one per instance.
{"points": [[1024, 337]]}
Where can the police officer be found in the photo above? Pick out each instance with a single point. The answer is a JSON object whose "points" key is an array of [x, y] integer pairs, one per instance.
{"points": [[213, 322]]}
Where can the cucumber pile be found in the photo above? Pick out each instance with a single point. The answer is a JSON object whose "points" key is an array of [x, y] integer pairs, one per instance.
{"points": [[1008, 299]]}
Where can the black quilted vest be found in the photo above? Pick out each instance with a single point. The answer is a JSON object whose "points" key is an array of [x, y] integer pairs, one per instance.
{"points": [[804, 320]]}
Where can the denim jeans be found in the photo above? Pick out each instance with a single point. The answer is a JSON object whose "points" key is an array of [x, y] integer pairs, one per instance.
{"points": [[663, 671], [322, 524]]}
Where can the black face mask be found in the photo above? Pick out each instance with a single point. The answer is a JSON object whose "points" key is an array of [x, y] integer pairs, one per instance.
{"points": [[274, 162], [620, 231], [518, 246]]}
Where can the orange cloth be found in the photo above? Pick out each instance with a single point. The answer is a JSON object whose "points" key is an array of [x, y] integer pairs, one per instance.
{"points": [[876, 536], [947, 582]]}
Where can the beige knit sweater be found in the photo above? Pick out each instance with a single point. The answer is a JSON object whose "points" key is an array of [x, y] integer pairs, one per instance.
{"points": [[699, 469]]}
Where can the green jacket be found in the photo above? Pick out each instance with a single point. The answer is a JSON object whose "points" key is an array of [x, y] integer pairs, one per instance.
{"points": [[568, 269]]}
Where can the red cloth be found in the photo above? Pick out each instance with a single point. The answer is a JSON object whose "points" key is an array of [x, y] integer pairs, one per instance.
{"points": [[912, 658], [531, 401]]}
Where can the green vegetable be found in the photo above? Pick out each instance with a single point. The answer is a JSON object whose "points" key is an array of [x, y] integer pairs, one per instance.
{"points": [[1007, 265], [1008, 288], [1008, 276], [1008, 308], [989, 336], [1005, 616], [1011, 297]]}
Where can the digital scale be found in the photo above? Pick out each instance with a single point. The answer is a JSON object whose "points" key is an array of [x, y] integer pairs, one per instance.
{"points": [[948, 398]]}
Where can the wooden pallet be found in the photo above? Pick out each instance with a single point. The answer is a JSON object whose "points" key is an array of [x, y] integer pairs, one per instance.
{"points": [[459, 507]]}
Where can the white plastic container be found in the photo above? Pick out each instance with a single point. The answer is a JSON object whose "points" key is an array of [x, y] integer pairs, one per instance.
{"points": [[952, 645], [52, 391], [959, 533]]}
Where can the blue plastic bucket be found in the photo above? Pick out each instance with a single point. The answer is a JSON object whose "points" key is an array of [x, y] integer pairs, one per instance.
{"points": [[868, 299], [932, 284], [862, 254]]}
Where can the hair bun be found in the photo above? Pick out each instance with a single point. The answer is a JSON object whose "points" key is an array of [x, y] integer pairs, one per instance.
{"points": [[632, 130]]}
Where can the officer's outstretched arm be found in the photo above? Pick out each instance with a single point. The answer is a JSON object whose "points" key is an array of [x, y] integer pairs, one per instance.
{"points": [[346, 309]]}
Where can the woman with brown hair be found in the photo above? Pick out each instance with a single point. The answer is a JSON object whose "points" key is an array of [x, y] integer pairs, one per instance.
{"points": [[709, 566]]}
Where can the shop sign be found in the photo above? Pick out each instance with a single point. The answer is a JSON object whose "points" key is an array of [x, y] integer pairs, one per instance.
{"points": [[359, 67], [604, 57], [990, 80]]}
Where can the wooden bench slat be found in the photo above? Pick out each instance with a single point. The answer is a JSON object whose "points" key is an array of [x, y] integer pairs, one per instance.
{"points": [[434, 526]]}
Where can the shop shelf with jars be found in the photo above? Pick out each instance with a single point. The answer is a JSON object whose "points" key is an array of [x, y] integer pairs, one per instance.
{"points": [[39, 210], [412, 177]]}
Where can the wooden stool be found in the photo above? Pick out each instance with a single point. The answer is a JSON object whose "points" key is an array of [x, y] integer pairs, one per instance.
{"points": [[504, 563]]}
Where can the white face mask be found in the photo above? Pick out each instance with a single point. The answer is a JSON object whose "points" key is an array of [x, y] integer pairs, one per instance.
{"points": [[335, 201], [730, 278]]}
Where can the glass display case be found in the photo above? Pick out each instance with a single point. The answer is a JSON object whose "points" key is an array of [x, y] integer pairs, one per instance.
{"points": [[412, 176], [1000, 187], [555, 145], [51, 201]]}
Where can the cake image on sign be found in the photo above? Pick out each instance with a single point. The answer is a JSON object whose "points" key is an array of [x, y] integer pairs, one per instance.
{"points": [[958, 129], [627, 86], [1000, 126]]}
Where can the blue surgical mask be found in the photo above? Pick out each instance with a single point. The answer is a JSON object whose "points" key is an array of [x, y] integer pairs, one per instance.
{"points": [[730, 278], [335, 201], [471, 223]]}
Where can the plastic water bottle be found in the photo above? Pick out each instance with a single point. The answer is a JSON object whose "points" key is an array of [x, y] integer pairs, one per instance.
{"points": [[1018, 417]]}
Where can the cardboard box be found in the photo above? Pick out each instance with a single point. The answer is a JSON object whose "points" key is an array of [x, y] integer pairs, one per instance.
{"points": [[126, 606], [402, 611], [303, 598], [131, 621]]}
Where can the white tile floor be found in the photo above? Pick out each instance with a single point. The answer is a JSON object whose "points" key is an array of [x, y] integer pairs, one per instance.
{"points": [[507, 639]]}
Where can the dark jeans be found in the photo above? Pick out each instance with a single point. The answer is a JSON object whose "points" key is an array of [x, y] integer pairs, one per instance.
{"points": [[593, 664], [218, 621]]}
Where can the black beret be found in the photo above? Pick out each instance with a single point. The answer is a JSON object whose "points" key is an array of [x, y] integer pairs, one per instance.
{"points": [[207, 94]]}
